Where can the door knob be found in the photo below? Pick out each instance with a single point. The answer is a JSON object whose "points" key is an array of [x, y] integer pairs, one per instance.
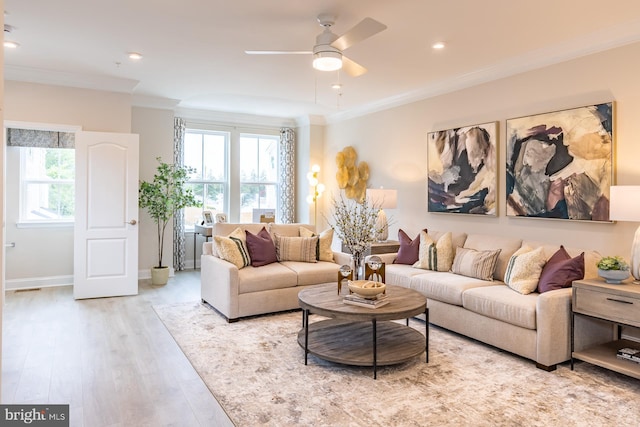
{"points": [[132, 222]]}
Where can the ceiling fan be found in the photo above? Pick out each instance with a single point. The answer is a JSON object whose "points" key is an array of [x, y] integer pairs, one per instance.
{"points": [[327, 52]]}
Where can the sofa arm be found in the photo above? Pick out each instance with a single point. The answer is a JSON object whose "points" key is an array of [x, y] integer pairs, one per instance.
{"points": [[207, 248], [342, 258], [219, 285], [553, 316]]}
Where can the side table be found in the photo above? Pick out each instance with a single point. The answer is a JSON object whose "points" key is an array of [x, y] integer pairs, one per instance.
{"points": [[617, 305], [202, 230], [386, 247]]}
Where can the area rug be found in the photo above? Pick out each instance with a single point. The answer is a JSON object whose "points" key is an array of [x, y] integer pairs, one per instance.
{"points": [[255, 369]]}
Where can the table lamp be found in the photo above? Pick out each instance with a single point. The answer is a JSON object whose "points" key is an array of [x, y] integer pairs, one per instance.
{"points": [[624, 205], [383, 199]]}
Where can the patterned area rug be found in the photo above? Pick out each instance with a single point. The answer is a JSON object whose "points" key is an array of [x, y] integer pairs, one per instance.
{"points": [[256, 370]]}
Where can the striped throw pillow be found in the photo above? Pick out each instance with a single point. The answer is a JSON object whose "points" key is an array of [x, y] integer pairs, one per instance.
{"points": [[473, 263], [524, 269], [233, 248], [296, 248], [435, 255]]}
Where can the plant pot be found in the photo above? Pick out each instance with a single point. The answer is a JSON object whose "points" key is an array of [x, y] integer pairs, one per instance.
{"points": [[613, 276], [159, 276]]}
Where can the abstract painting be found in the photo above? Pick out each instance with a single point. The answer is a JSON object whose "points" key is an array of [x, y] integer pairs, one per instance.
{"points": [[559, 164], [462, 170]]}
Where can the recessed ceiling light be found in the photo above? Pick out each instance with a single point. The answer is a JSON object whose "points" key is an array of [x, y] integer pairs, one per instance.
{"points": [[438, 45], [11, 45], [135, 55], [336, 86]]}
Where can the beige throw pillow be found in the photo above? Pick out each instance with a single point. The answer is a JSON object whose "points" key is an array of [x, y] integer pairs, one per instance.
{"points": [[233, 248], [524, 269], [296, 248], [324, 252], [473, 263], [436, 256]]}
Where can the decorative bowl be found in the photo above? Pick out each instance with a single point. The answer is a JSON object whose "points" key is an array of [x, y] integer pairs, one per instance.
{"points": [[366, 288], [614, 276]]}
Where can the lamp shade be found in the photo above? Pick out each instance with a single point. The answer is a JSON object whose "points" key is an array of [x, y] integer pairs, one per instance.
{"points": [[385, 199], [624, 203]]}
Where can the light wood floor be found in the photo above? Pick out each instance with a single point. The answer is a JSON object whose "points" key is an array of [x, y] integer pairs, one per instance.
{"points": [[111, 359]]}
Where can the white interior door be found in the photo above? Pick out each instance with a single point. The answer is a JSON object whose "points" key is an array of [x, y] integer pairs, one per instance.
{"points": [[106, 231]]}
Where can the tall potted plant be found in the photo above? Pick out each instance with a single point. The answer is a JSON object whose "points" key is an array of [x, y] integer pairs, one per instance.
{"points": [[162, 197]]}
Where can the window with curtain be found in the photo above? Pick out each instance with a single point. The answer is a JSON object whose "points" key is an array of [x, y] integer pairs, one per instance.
{"points": [[258, 176], [207, 153]]}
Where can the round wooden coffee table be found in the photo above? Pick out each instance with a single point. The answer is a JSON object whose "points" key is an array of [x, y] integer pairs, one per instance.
{"points": [[362, 336]]}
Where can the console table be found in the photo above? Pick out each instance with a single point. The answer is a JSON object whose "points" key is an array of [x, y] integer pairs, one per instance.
{"points": [[386, 247], [618, 305], [202, 230]]}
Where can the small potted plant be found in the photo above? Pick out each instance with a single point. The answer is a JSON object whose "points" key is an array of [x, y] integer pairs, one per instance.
{"points": [[162, 197], [613, 269]]}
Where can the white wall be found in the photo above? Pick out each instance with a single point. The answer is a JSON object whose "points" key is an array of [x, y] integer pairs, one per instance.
{"points": [[45, 255], [393, 142]]}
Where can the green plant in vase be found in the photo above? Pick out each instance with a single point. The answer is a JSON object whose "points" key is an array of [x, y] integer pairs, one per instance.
{"points": [[613, 269], [162, 197]]}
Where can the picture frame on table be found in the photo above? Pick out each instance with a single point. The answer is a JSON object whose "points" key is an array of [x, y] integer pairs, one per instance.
{"points": [[208, 217], [221, 218]]}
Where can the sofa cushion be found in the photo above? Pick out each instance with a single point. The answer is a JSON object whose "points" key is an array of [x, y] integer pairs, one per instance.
{"points": [[436, 255], [323, 250], [313, 274], [473, 263], [261, 248], [561, 270], [524, 268], [409, 250], [266, 277], [501, 303], [289, 230], [296, 248], [447, 287], [233, 248], [507, 246], [400, 274]]}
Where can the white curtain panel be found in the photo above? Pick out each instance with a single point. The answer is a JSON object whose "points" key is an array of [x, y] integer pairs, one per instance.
{"points": [[287, 176], [179, 251]]}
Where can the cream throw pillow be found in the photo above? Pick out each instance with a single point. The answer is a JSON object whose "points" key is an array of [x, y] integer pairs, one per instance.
{"points": [[324, 252], [296, 248], [524, 269], [233, 248], [477, 264], [436, 256]]}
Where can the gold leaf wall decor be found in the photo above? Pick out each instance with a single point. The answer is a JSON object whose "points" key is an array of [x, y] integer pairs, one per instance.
{"points": [[351, 176]]}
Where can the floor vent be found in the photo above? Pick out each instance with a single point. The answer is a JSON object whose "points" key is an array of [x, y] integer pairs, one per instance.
{"points": [[28, 290]]}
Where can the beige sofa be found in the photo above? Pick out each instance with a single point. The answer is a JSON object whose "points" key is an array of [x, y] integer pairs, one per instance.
{"points": [[535, 326], [240, 292]]}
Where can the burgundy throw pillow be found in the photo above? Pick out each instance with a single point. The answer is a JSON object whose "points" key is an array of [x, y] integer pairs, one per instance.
{"points": [[560, 271], [261, 249], [409, 251]]}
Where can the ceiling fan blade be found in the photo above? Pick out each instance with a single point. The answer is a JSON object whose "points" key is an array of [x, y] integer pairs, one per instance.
{"points": [[352, 68], [278, 52], [363, 30]]}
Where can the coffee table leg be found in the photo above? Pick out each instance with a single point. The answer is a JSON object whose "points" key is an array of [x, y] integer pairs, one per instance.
{"points": [[426, 335], [305, 322], [375, 350]]}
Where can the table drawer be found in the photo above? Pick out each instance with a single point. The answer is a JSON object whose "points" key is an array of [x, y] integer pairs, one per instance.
{"points": [[609, 306]]}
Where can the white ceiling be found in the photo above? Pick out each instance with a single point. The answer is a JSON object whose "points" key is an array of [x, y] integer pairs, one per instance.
{"points": [[194, 49]]}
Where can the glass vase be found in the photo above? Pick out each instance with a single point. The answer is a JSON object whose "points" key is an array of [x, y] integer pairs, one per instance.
{"points": [[358, 265]]}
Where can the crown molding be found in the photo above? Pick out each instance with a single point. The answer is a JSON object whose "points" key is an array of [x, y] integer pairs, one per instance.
{"points": [[61, 78], [239, 119], [596, 42]]}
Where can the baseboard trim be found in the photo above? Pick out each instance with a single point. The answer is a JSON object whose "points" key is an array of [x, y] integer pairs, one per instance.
{"points": [[38, 282], [53, 281]]}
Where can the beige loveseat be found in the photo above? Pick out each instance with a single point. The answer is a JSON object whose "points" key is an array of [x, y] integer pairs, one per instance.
{"points": [[240, 292], [536, 326]]}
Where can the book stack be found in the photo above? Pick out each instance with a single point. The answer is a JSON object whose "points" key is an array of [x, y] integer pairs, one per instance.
{"points": [[372, 302], [628, 353]]}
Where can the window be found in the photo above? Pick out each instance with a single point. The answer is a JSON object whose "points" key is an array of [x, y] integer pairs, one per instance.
{"points": [[47, 184], [258, 176], [206, 152]]}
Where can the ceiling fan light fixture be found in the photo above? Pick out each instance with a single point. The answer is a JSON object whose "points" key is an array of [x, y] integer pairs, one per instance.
{"points": [[327, 60]]}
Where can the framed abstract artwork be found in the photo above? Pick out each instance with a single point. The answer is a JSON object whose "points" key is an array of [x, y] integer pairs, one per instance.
{"points": [[559, 164], [462, 176]]}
